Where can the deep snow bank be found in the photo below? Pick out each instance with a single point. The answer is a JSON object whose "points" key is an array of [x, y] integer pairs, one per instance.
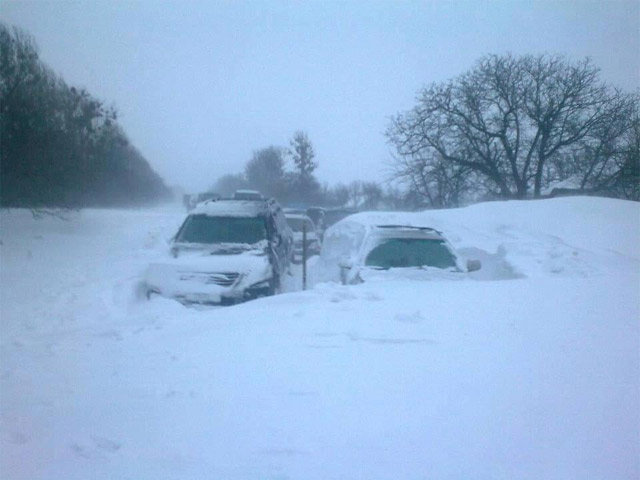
{"points": [[580, 236], [532, 377]]}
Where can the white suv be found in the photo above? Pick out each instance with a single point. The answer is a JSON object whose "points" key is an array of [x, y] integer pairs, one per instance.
{"points": [[225, 252], [357, 248]]}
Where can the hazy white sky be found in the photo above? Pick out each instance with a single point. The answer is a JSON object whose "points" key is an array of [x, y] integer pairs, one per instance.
{"points": [[201, 85]]}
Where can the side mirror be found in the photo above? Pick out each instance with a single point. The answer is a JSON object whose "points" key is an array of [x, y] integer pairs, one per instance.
{"points": [[277, 240], [345, 264], [473, 265]]}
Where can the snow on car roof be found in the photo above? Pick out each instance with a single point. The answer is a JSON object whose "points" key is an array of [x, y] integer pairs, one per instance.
{"points": [[248, 191], [231, 208], [408, 221], [407, 231]]}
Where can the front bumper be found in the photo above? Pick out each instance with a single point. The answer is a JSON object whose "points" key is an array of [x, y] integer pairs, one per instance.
{"points": [[229, 297], [207, 288]]}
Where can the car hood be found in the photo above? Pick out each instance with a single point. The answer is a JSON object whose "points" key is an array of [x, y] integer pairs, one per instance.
{"points": [[370, 274]]}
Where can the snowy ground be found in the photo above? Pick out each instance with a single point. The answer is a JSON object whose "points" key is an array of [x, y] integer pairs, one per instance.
{"points": [[528, 370]]}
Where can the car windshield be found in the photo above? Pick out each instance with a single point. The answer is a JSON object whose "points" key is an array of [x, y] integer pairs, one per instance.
{"points": [[206, 229], [411, 252], [296, 224]]}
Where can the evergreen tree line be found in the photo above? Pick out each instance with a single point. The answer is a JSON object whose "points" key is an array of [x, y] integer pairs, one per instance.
{"points": [[60, 146]]}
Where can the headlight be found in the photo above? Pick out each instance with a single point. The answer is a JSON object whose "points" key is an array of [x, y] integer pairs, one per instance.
{"points": [[259, 285], [259, 289]]}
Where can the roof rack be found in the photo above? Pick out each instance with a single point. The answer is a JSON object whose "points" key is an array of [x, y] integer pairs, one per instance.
{"points": [[412, 227]]}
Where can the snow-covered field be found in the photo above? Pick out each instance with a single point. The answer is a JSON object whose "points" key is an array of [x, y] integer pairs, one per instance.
{"points": [[527, 369]]}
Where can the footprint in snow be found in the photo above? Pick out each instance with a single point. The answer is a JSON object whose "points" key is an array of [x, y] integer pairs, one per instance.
{"points": [[342, 295], [415, 317], [372, 296], [105, 444], [18, 438], [110, 334], [100, 444]]}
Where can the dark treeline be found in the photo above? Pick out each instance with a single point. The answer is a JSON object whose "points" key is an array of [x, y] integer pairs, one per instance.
{"points": [[60, 146]]}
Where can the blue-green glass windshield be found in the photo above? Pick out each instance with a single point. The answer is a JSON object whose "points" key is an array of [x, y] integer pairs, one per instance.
{"points": [[411, 252], [206, 229]]}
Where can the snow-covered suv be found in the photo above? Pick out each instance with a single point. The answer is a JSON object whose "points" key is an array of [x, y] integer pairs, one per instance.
{"points": [[225, 252]]}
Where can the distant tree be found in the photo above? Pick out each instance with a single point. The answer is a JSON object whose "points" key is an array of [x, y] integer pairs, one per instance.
{"points": [[302, 185], [594, 163], [507, 121], [626, 179], [61, 147], [338, 195], [19, 64], [372, 194], [227, 184], [440, 183], [265, 171], [302, 153], [302, 189]]}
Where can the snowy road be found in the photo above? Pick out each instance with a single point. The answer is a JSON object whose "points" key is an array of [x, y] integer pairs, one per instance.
{"points": [[529, 370]]}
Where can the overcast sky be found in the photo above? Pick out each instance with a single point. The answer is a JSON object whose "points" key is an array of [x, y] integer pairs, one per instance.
{"points": [[201, 85]]}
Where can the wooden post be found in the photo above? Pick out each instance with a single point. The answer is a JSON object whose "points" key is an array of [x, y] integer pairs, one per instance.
{"points": [[304, 255]]}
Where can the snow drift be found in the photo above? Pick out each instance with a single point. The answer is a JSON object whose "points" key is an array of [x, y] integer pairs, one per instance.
{"points": [[528, 370]]}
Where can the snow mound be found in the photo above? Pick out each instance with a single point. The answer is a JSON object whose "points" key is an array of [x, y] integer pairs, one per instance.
{"points": [[531, 375], [570, 237]]}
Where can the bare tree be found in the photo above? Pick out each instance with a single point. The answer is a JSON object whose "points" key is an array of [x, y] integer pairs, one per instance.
{"points": [[504, 120], [356, 197], [226, 185], [372, 194], [338, 195], [626, 180], [265, 171], [438, 182]]}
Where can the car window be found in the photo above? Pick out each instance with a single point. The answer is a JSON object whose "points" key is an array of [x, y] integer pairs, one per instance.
{"points": [[206, 229], [411, 252]]}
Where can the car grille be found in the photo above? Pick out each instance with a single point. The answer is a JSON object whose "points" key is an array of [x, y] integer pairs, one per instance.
{"points": [[224, 279]]}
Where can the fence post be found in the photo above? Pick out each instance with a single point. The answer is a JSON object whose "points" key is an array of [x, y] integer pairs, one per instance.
{"points": [[304, 255]]}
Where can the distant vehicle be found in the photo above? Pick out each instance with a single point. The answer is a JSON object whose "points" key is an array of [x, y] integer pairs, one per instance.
{"points": [[296, 221], [296, 210], [191, 200], [360, 249], [225, 252], [334, 215], [316, 214], [203, 197], [247, 195]]}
